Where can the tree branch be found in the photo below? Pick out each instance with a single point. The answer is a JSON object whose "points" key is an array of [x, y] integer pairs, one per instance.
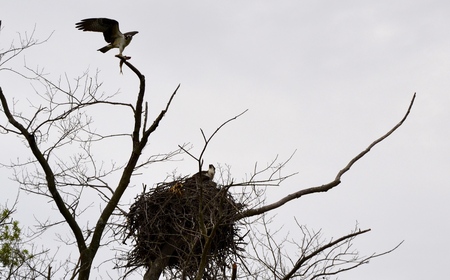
{"points": [[304, 259], [330, 185], [138, 146], [207, 140], [50, 177]]}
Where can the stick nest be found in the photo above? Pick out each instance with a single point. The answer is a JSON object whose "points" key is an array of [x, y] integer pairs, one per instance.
{"points": [[168, 224]]}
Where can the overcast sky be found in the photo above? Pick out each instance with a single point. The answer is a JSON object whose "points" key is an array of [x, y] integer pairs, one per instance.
{"points": [[323, 78]]}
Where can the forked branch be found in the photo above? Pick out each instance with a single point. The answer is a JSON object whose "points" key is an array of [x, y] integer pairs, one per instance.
{"points": [[208, 139]]}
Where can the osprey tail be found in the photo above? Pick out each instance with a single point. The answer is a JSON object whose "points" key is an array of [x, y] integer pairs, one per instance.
{"points": [[105, 48]]}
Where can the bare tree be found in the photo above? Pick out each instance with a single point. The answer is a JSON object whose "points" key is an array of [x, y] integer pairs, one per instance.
{"points": [[52, 131], [64, 122]]}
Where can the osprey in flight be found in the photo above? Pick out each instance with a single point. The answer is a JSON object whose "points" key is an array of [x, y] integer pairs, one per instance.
{"points": [[111, 32]]}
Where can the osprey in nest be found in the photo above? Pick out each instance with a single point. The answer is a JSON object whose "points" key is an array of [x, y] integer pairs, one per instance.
{"points": [[207, 175], [111, 33]]}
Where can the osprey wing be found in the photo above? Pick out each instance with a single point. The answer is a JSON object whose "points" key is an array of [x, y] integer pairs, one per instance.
{"points": [[109, 27]]}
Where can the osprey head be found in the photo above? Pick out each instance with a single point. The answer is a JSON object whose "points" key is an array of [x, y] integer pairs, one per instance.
{"points": [[129, 35]]}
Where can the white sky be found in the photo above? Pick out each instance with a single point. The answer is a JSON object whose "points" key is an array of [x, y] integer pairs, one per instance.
{"points": [[325, 78]]}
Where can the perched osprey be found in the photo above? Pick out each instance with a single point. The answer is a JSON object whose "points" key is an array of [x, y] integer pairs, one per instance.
{"points": [[211, 171], [111, 32], [206, 175]]}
